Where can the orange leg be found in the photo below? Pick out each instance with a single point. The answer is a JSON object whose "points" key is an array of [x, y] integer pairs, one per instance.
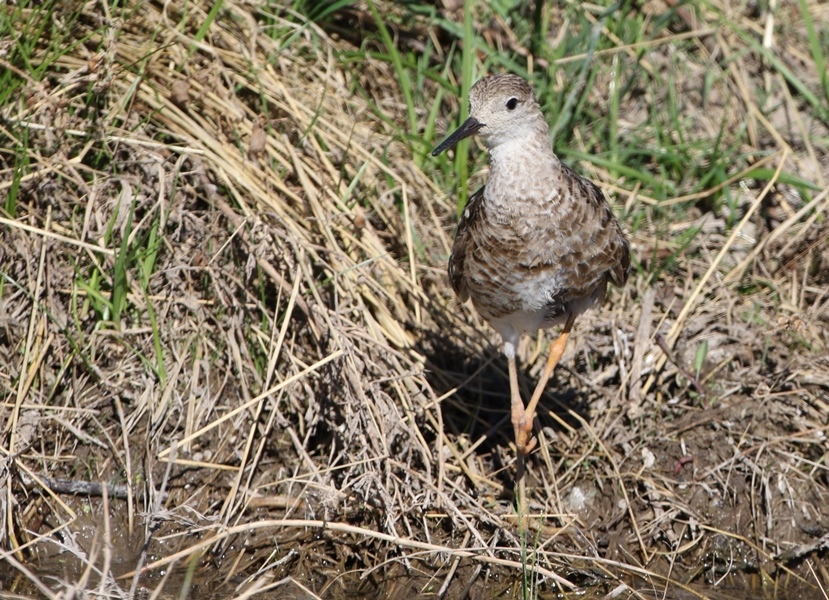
{"points": [[524, 423], [516, 404], [517, 414]]}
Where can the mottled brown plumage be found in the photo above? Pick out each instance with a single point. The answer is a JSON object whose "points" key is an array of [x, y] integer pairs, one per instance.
{"points": [[538, 244]]}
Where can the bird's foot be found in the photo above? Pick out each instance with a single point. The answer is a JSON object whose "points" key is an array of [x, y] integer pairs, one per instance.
{"points": [[524, 439]]}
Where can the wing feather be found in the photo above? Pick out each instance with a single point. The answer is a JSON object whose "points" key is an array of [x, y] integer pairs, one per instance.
{"points": [[471, 213]]}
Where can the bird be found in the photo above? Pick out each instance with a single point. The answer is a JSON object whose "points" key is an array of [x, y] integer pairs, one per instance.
{"points": [[537, 245]]}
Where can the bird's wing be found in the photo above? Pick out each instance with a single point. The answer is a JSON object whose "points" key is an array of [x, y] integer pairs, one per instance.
{"points": [[612, 253], [471, 213]]}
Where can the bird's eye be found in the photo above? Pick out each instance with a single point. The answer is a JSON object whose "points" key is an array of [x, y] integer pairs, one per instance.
{"points": [[512, 103]]}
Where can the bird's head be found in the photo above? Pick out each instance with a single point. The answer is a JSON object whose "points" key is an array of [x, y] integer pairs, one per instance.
{"points": [[502, 108]]}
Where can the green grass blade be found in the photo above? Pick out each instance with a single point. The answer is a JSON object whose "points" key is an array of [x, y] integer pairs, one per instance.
{"points": [[784, 178], [820, 110], [817, 48], [403, 79], [120, 283], [467, 73], [211, 16]]}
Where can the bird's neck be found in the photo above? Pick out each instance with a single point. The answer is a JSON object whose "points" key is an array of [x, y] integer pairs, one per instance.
{"points": [[521, 169]]}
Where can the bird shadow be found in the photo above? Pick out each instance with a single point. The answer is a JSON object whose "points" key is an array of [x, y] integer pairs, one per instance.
{"points": [[476, 400]]}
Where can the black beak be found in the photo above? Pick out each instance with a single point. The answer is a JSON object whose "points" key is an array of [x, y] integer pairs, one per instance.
{"points": [[470, 127]]}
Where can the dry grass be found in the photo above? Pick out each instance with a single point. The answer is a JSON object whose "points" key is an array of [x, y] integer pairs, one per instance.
{"points": [[223, 295]]}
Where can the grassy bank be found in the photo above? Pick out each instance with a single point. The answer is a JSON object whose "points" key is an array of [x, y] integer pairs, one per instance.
{"points": [[223, 295]]}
